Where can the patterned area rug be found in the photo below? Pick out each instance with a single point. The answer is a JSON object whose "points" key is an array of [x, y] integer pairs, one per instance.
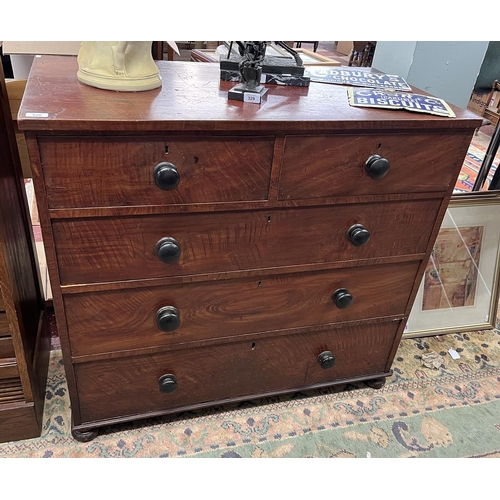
{"points": [[453, 411]]}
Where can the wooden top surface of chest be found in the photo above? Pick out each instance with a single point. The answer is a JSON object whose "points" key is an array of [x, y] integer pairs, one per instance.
{"points": [[193, 98]]}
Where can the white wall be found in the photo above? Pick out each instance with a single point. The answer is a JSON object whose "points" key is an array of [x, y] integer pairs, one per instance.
{"points": [[445, 69], [394, 58]]}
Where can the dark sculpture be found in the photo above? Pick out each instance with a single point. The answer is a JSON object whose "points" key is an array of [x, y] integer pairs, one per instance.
{"points": [[250, 67]]}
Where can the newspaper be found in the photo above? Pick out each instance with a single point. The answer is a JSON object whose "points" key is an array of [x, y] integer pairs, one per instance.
{"points": [[373, 98], [357, 77]]}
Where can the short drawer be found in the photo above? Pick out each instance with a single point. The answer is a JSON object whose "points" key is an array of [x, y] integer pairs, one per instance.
{"points": [[117, 171], [331, 166], [129, 319], [131, 386], [99, 250]]}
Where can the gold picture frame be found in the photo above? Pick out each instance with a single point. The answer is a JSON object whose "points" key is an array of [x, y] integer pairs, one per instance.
{"points": [[460, 287]]}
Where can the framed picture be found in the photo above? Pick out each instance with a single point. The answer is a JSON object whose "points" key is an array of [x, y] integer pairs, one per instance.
{"points": [[460, 287]]}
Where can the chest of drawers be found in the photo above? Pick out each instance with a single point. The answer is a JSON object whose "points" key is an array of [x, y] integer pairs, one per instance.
{"points": [[203, 250]]}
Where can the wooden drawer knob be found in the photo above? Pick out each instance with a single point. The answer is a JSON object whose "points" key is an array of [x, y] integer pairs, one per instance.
{"points": [[166, 176], [377, 167], [358, 235], [342, 298], [167, 319], [168, 250], [326, 360], [167, 383]]}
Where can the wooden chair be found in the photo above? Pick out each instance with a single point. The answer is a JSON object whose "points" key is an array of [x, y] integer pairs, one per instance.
{"points": [[361, 54]]}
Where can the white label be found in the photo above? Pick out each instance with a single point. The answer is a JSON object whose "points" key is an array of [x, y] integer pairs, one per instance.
{"points": [[37, 115], [249, 97], [454, 354], [487, 318]]}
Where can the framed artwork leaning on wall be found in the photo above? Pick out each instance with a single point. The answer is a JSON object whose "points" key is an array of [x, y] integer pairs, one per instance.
{"points": [[460, 287]]}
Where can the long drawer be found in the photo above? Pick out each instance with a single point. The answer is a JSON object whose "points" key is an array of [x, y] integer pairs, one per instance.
{"points": [[128, 319], [131, 386], [119, 171], [323, 166], [105, 249]]}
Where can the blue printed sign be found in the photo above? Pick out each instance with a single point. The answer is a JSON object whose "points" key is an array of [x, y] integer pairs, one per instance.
{"points": [[373, 98], [357, 77]]}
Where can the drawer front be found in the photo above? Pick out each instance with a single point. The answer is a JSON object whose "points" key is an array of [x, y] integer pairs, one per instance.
{"points": [[6, 348], [129, 319], [329, 166], [4, 325], [98, 250], [8, 369], [130, 386], [89, 172]]}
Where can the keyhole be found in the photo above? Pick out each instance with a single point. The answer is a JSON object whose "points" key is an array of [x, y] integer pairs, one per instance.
{"points": [[166, 149], [259, 283], [269, 218], [253, 346], [379, 145]]}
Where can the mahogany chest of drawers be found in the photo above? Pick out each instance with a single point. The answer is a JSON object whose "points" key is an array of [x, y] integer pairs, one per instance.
{"points": [[203, 250]]}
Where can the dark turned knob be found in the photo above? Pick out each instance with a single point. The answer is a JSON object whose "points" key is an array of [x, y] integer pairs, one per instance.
{"points": [[167, 319], [166, 176], [168, 250], [358, 235], [377, 167], [326, 360], [167, 383], [342, 298]]}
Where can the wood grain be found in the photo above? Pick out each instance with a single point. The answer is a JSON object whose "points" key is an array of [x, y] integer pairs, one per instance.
{"points": [[119, 171], [126, 319], [129, 386], [111, 249], [192, 98], [317, 167]]}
